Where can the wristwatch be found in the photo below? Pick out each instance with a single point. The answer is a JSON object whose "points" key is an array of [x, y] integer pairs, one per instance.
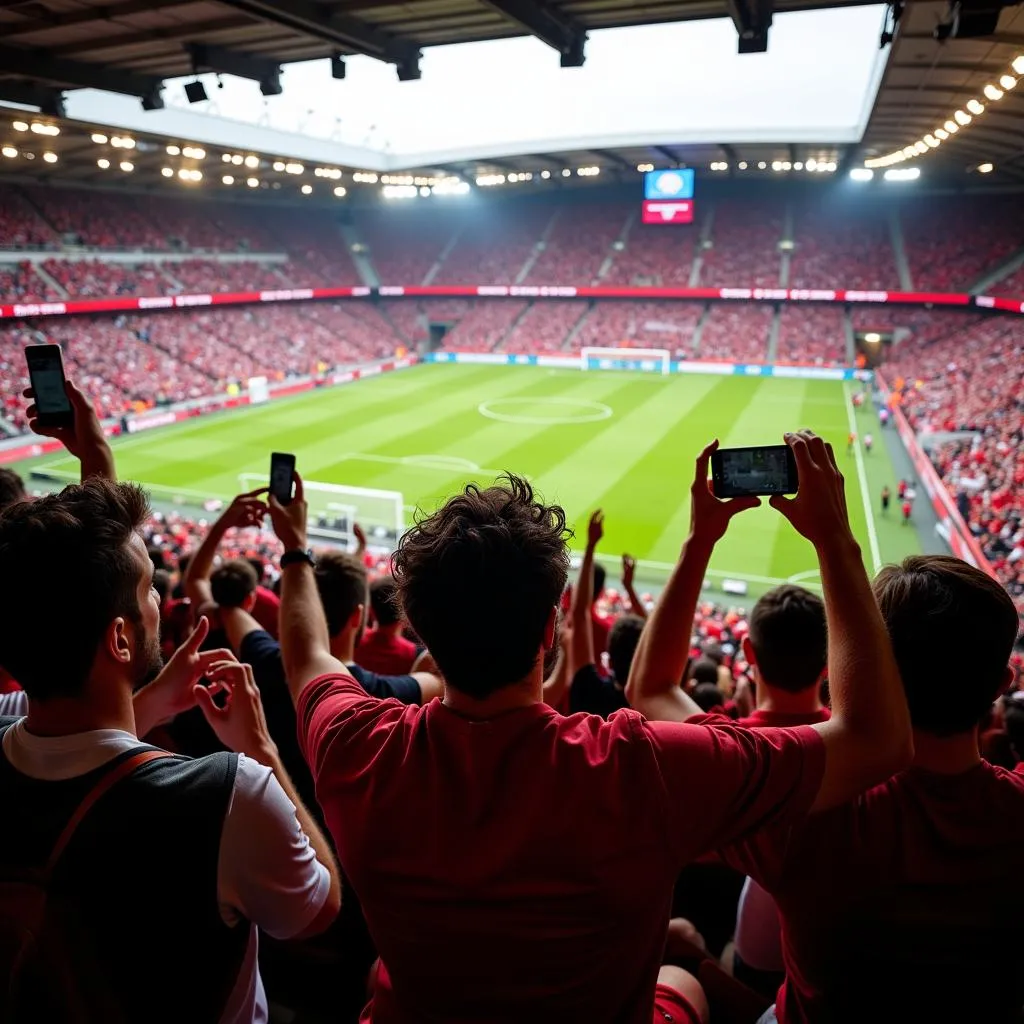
{"points": [[298, 555]]}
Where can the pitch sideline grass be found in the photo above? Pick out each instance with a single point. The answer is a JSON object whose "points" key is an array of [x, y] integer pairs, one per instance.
{"points": [[622, 441]]}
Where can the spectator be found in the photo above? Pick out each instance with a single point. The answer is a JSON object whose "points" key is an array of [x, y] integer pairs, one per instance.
{"points": [[233, 585], [601, 624], [12, 488], [520, 905], [203, 877], [384, 649], [922, 894]]}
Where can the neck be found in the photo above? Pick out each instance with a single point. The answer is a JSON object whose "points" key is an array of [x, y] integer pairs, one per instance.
{"points": [[948, 755], [771, 698], [391, 630], [65, 716], [526, 692], [343, 646]]}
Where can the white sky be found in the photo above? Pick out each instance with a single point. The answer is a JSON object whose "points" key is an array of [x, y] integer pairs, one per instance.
{"points": [[674, 83]]}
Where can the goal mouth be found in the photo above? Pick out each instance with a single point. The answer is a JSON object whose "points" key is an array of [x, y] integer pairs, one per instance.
{"points": [[335, 508], [647, 360]]}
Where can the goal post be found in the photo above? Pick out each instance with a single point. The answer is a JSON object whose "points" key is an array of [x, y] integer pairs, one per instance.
{"points": [[334, 508], [650, 360]]}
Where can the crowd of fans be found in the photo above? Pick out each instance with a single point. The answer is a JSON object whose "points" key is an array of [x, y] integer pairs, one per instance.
{"points": [[812, 334], [451, 785]]}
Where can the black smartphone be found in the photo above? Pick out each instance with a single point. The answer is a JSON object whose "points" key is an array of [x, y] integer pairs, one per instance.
{"points": [[46, 375], [768, 469], [282, 472]]}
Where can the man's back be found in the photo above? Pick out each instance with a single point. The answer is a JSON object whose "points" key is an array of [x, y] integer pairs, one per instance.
{"points": [[386, 654], [905, 901], [520, 867]]}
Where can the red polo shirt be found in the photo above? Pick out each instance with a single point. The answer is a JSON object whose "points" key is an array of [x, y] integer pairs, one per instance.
{"points": [[782, 720], [904, 904], [521, 868], [387, 655]]}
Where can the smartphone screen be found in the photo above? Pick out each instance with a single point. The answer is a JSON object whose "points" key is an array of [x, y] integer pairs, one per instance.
{"points": [[770, 469], [282, 468], [46, 375]]}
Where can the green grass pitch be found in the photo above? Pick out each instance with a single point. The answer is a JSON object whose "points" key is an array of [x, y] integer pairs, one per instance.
{"points": [[621, 441]]}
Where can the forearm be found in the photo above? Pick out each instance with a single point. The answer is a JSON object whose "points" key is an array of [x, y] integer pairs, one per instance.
{"points": [[864, 682], [557, 684], [635, 604], [303, 626], [579, 614], [98, 461], [664, 646], [201, 564]]}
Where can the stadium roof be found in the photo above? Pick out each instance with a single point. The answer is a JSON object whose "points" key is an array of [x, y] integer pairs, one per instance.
{"points": [[55, 48]]}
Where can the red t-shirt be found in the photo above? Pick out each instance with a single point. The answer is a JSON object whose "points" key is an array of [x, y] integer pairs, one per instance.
{"points": [[521, 868], [267, 610], [602, 626], [904, 904], [781, 720], [387, 655]]}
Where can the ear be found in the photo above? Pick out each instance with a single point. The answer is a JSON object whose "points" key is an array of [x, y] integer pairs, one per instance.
{"points": [[118, 641], [357, 618], [250, 602], [550, 630], [748, 651]]}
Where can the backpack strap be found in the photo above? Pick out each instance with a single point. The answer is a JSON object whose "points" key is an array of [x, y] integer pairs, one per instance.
{"points": [[109, 779]]}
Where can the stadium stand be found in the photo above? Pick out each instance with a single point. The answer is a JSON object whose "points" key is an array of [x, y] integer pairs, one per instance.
{"points": [[841, 244], [21, 226], [19, 282], [404, 245], [97, 279], [544, 327], [579, 243], [630, 324], [950, 244], [745, 236], [812, 334], [654, 257], [484, 325], [736, 333], [198, 276]]}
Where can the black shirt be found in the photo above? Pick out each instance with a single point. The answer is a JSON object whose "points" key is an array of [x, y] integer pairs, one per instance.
{"points": [[595, 694]]}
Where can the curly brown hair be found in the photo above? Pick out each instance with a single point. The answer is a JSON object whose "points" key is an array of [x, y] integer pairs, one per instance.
{"points": [[479, 579]]}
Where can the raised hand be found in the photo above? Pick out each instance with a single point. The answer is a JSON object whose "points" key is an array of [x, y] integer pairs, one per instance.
{"points": [[595, 528], [818, 511], [628, 571], [709, 516], [84, 438], [360, 536], [246, 509], [290, 520], [240, 723]]}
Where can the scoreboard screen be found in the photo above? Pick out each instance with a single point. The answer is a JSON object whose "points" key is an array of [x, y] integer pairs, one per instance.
{"points": [[668, 197]]}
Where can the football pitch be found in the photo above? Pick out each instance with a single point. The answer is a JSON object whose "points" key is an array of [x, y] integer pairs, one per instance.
{"points": [[621, 441]]}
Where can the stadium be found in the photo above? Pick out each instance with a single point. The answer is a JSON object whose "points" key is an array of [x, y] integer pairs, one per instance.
{"points": [[433, 249]]}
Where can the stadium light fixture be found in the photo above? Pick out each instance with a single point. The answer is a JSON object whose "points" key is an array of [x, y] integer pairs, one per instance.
{"points": [[742, 165], [306, 189], [174, 150], [253, 182], [9, 151], [920, 148], [237, 160], [962, 119], [127, 166], [986, 168], [20, 126], [932, 142], [167, 172], [798, 166], [872, 338], [903, 174], [99, 138], [44, 129], [566, 172], [278, 165], [252, 162], [992, 92], [399, 191], [952, 127], [50, 158], [340, 191], [975, 107], [761, 165], [1018, 64], [194, 152], [1008, 82], [228, 179], [195, 92], [293, 168], [941, 133], [547, 174], [861, 174]]}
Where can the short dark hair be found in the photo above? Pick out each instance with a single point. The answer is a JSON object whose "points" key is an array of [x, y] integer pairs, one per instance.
{"points": [[162, 583], [69, 572], [600, 575], [790, 638], [341, 581], [233, 583], [479, 580], [952, 628], [712, 651], [259, 567], [622, 642], [704, 670], [707, 696], [384, 600], [12, 488]]}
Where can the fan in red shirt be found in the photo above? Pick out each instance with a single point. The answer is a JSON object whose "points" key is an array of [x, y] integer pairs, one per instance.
{"points": [[384, 650], [905, 903], [514, 864]]}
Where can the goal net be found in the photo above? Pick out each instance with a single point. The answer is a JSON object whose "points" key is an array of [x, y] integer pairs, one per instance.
{"points": [[333, 508], [650, 360]]}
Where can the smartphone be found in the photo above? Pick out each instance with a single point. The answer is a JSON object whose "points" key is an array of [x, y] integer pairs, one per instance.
{"points": [[282, 471], [46, 375], [769, 469]]}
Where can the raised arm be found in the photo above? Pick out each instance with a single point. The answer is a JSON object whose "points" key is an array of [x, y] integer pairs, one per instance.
{"points": [[869, 735], [556, 686], [245, 510], [84, 439], [628, 571], [581, 649], [305, 641], [660, 661]]}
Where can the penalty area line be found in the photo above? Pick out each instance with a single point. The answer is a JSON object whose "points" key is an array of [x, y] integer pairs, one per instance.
{"points": [[858, 455]]}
